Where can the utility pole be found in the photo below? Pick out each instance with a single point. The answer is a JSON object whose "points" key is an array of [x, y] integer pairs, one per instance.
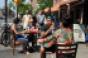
{"points": [[17, 2], [6, 9]]}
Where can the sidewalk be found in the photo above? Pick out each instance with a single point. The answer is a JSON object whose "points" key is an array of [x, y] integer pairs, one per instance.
{"points": [[82, 51], [6, 52]]}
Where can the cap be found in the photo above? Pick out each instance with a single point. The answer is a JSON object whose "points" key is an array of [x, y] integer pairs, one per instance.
{"points": [[49, 18]]}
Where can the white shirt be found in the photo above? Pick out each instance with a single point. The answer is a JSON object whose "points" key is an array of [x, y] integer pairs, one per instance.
{"points": [[26, 20]]}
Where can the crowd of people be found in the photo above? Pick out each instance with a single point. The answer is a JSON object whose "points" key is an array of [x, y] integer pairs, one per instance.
{"points": [[47, 35]]}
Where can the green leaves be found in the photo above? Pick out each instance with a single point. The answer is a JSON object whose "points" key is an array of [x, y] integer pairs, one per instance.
{"points": [[23, 7], [45, 3], [42, 4]]}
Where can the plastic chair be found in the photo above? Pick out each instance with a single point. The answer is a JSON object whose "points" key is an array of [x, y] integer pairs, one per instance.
{"points": [[66, 51]]}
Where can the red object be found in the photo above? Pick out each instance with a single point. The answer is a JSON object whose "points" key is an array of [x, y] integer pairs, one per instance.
{"points": [[34, 31]]}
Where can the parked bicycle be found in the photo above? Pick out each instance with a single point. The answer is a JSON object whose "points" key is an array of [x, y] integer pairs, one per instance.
{"points": [[5, 35]]}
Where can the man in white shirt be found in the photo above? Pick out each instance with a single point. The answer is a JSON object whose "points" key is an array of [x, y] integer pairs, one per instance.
{"points": [[26, 19]]}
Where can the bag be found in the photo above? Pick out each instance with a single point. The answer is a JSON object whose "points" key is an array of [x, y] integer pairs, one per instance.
{"points": [[78, 33]]}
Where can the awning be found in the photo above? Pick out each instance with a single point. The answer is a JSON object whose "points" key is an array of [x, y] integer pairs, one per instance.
{"points": [[53, 9], [56, 6]]}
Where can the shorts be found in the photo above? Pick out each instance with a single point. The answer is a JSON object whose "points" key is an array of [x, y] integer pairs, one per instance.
{"points": [[21, 38], [52, 48]]}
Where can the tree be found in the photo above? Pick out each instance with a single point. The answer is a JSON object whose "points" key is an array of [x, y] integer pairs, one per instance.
{"points": [[45, 3], [42, 4], [22, 7]]}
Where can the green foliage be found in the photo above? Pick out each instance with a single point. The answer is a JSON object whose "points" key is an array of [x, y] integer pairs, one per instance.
{"points": [[45, 3], [22, 8], [42, 4]]}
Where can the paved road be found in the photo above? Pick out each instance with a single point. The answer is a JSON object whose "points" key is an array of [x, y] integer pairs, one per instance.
{"points": [[6, 52], [3, 20], [9, 20]]}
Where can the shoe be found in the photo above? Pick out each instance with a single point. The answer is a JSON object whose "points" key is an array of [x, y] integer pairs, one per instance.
{"points": [[31, 49], [22, 52], [27, 53]]}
